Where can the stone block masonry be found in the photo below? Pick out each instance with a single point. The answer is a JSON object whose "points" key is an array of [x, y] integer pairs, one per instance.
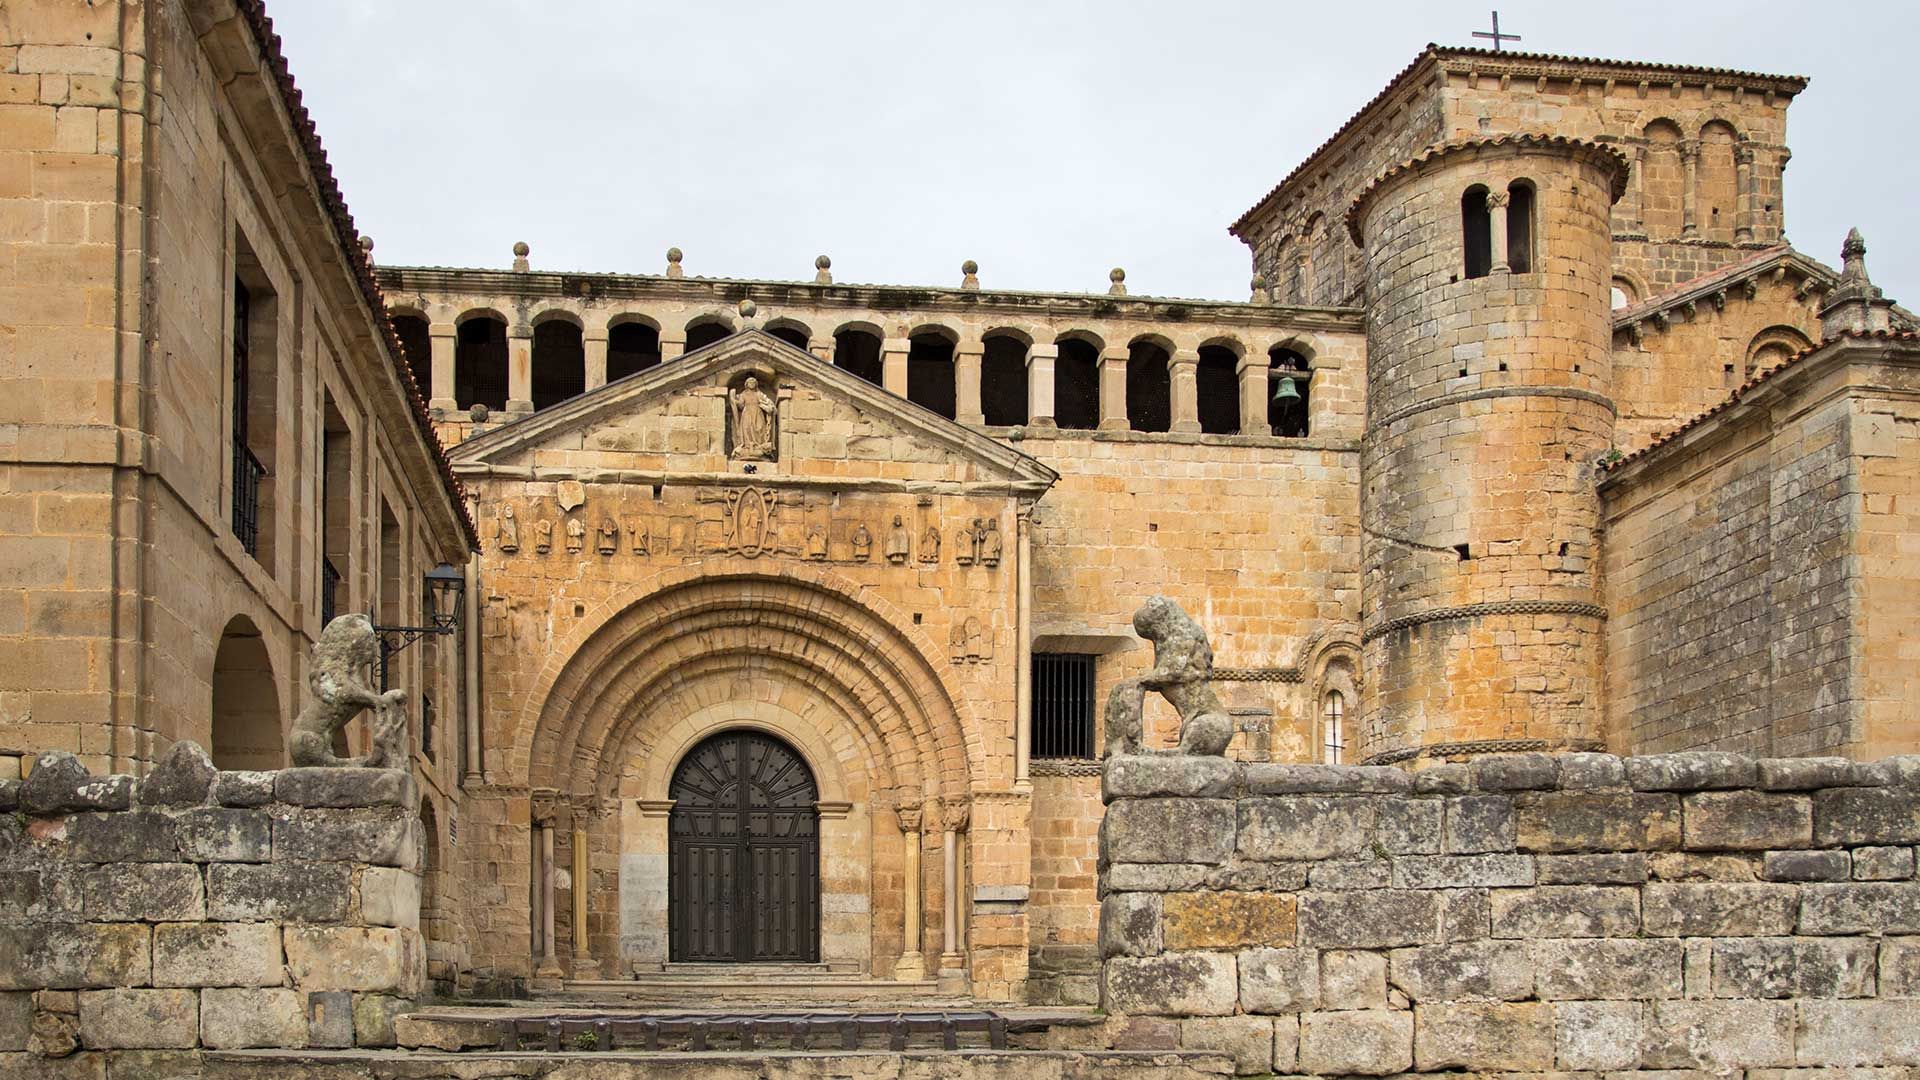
{"points": [[198, 910], [1519, 914]]}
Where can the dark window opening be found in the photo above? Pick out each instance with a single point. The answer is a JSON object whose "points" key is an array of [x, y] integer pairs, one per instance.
{"points": [[1217, 384], [1003, 381], [1478, 229], [858, 352], [1520, 227], [705, 334], [792, 335], [417, 346], [1287, 412], [631, 349], [930, 374], [1076, 385], [336, 515], [480, 364], [559, 363], [1149, 393], [1063, 705], [256, 426]]}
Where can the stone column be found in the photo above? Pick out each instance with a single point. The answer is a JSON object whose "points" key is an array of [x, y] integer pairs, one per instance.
{"points": [[1743, 197], [1633, 208], [544, 812], [1113, 388], [1041, 360], [966, 383], [520, 369], [444, 337], [913, 964], [953, 973], [1253, 372], [595, 342], [1497, 232], [470, 657], [1183, 371], [1023, 649], [822, 349], [583, 965], [1689, 190], [672, 348], [893, 365]]}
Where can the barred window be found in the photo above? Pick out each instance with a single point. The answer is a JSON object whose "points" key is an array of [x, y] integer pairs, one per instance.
{"points": [[1062, 705], [1333, 726]]}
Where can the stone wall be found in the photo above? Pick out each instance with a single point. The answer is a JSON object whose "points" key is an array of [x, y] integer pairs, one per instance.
{"points": [[199, 909], [1519, 914]]}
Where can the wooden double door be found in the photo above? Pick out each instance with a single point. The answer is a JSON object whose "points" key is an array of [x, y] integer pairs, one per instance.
{"points": [[743, 853]]}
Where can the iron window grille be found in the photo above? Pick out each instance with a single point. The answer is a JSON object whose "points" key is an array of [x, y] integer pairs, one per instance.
{"points": [[1063, 705]]}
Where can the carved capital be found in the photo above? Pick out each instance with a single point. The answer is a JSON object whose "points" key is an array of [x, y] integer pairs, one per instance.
{"points": [[1743, 154], [1690, 151], [909, 818], [954, 816], [548, 808], [1496, 200]]}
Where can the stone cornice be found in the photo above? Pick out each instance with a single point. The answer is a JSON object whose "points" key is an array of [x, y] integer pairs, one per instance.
{"points": [[773, 295]]}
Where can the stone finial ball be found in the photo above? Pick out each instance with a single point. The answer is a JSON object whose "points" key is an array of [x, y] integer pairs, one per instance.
{"points": [[969, 267], [1116, 274], [822, 263], [1259, 281], [673, 255], [747, 308], [520, 248], [366, 243]]}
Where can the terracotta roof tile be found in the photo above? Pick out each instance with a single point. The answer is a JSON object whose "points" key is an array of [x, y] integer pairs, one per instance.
{"points": [[328, 190]]}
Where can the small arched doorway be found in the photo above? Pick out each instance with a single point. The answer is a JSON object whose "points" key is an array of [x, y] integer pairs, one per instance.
{"points": [[743, 853]]}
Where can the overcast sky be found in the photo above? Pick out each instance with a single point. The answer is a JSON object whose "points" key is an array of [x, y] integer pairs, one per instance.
{"points": [[1049, 140]]}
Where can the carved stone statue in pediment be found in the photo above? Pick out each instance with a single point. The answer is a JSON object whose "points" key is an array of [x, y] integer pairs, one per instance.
{"points": [[897, 542], [576, 536], [990, 543], [507, 531], [752, 414], [543, 535], [862, 543], [930, 545], [609, 536]]}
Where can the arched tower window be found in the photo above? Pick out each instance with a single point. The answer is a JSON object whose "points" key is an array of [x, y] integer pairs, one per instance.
{"points": [[1520, 226], [1003, 380], [632, 347], [1477, 230], [480, 364], [1149, 388], [858, 351], [702, 334], [793, 335], [559, 363], [1333, 731], [417, 345], [1218, 383], [1287, 413], [930, 373], [1076, 385]]}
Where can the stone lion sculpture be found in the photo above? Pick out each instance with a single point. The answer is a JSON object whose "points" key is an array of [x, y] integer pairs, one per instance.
{"points": [[347, 650], [1182, 673]]}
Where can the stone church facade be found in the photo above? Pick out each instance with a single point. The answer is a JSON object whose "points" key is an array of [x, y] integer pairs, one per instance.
{"points": [[787, 607]]}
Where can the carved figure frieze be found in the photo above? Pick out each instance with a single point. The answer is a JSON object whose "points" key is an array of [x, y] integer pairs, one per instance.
{"points": [[966, 544], [971, 641], [817, 542], [609, 536], [543, 536], [862, 543], [506, 531], [990, 543], [930, 545], [340, 677], [576, 535], [638, 539], [752, 415], [897, 542], [1182, 674], [749, 520]]}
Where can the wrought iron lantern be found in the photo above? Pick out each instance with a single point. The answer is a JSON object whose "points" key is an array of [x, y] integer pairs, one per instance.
{"points": [[446, 596]]}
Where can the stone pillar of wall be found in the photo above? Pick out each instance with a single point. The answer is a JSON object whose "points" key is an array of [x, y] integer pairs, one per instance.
{"points": [[1254, 370], [594, 341], [1488, 408], [1041, 363], [200, 909], [893, 365], [966, 383], [444, 338], [520, 369], [1183, 373], [1529, 915], [1113, 388]]}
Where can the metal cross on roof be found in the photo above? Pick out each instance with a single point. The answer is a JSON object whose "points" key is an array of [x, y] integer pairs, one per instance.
{"points": [[1497, 36]]}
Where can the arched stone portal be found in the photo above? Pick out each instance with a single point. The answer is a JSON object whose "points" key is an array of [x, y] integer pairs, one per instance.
{"points": [[826, 667]]}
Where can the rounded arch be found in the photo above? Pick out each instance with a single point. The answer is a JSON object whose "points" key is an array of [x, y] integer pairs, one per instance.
{"points": [[684, 629], [859, 326], [1306, 346], [1099, 343], [246, 701], [1630, 286], [822, 758], [790, 330], [1158, 341], [1720, 126], [934, 329], [633, 318], [1014, 332], [557, 314], [1228, 342], [1774, 346], [704, 330], [471, 314], [406, 310]]}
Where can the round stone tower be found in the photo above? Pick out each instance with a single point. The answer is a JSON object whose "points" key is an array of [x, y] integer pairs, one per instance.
{"points": [[1489, 383]]}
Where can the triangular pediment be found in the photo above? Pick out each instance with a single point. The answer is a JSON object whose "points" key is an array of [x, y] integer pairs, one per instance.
{"points": [[675, 419]]}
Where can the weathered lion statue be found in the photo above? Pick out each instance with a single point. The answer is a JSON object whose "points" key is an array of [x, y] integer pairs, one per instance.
{"points": [[1182, 673], [346, 652]]}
